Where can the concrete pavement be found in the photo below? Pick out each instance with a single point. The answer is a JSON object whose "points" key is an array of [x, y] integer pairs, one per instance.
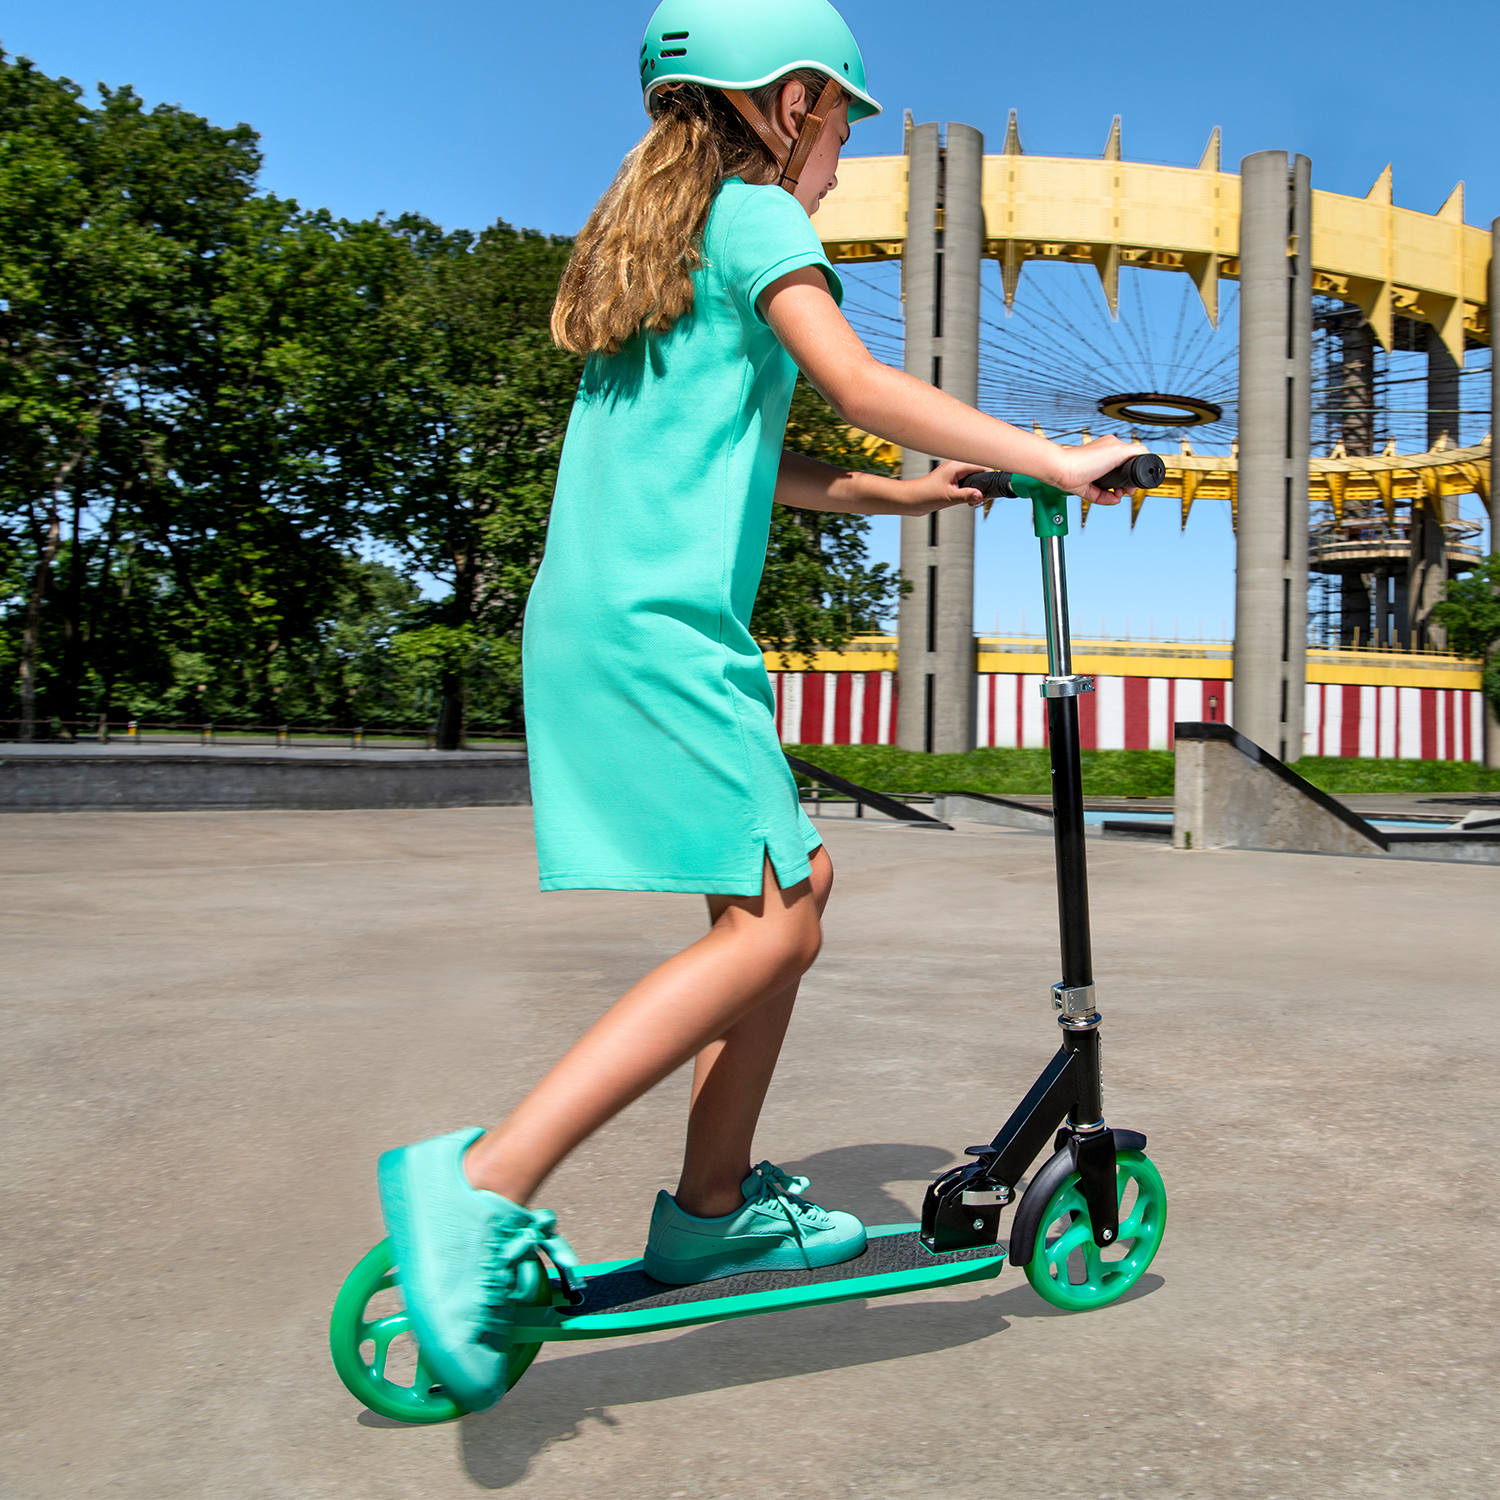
{"points": [[216, 1020]]}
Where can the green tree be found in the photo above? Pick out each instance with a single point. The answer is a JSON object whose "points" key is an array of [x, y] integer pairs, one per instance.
{"points": [[1470, 612], [162, 470], [818, 588], [241, 484], [467, 404], [212, 400], [58, 334]]}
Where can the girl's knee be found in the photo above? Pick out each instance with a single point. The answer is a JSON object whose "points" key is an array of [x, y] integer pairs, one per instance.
{"points": [[800, 941], [822, 877]]}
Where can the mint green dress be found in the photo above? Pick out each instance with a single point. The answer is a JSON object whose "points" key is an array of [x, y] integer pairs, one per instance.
{"points": [[655, 762]]}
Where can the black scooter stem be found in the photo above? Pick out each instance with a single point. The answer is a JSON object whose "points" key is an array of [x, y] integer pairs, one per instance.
{"points": [[1068, 837]]}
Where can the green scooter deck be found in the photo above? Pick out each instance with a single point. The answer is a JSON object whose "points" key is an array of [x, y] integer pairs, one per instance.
{"points": [[621, 1298]]}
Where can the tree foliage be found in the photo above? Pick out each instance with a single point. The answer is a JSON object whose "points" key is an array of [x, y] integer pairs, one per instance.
{"points": [[818, 588], [1470, 612], [259, 463], [467, 403]]}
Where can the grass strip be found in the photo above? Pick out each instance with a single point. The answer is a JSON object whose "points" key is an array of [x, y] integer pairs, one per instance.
{"points": [[1115, 773]]}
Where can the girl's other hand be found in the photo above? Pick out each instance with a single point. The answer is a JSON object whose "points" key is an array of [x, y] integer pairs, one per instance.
{"points": [[1092, 461], [943, 487]]}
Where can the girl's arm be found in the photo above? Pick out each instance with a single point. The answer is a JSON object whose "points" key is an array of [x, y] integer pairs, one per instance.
{"points": [[808, 484], [901, 409]]}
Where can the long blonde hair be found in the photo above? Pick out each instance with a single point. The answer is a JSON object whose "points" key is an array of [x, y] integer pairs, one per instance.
{"points": [[633, 264]]}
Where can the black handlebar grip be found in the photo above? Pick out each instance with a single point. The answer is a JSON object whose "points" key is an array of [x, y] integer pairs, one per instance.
{"points": [[993, 484], [1143, 472]]}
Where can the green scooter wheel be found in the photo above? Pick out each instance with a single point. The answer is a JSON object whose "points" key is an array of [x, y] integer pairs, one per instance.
{"points": [[360, 1341], [1068, 1269]]}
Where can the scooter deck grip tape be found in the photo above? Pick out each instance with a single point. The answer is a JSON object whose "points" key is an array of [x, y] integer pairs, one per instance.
{"points": [[632, 1290]]}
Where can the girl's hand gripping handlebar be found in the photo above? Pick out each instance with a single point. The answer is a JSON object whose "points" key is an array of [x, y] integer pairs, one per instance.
{"points": [[1142, 472]]}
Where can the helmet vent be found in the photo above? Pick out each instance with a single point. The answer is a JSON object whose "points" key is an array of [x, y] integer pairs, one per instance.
{"points": [[674, 51], [674, 36]]}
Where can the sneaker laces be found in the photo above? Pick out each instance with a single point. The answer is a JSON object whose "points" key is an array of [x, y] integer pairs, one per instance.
{"points": [[514, 1244], [776, 1189]]}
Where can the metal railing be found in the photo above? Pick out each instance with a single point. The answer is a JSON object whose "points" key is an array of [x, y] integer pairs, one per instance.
{"points": [[838, 789], [141, 732]]}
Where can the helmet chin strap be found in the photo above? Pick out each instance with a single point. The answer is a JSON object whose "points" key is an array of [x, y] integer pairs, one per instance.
{"points": [[791, 159]]}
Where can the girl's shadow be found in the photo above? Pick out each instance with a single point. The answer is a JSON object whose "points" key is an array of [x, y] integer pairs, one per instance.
{"points": [[562, 1392]]}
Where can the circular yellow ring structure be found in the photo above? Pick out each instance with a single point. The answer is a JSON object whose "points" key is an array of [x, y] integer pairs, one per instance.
{"points": [[1109, 213], [1144, 407]]}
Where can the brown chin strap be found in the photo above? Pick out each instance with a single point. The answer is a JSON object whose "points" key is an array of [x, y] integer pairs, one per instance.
{"points": [[791, 160]]}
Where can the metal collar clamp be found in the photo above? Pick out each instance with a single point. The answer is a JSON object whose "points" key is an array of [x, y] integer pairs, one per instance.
{"points": [[1065, 687], [1076, 1002]]}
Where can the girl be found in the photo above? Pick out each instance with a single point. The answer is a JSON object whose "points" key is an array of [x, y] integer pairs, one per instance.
{"points": [[697, 289]]}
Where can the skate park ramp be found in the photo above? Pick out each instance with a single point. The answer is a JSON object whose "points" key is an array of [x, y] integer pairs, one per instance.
{"points": [[1232, 794]]}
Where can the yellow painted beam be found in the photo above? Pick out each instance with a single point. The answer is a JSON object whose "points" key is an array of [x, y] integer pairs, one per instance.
{"points": [[1108, 213], [1203, 660], [1347, 668], [1340, 482]]}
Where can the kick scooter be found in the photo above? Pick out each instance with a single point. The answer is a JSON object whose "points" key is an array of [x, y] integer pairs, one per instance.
{"points": [[1087, 1224]]}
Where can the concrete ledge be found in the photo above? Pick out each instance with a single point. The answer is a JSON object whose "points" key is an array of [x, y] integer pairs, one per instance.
{"points": [[1463, 845], [1000, 812], [1140, 833], [95, 779], [1231, 794]]}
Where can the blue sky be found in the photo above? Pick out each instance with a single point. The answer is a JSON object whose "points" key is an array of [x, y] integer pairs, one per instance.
{"points": [[469, 112]]}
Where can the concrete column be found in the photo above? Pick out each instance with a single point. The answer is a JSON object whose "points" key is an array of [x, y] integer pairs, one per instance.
{"points": [[1491, 722], [944, 243], [1354, 609], [1357, 432], [1270, 594], [1494, 500], [1427, 572], [1357, 387]]}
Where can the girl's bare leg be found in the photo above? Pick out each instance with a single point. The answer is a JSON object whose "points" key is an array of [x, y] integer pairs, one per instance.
{"points": [[757, 948], [730, 1079]]}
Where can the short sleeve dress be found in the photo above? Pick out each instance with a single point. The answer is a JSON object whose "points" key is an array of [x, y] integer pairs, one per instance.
{"points": [[655, 762]]}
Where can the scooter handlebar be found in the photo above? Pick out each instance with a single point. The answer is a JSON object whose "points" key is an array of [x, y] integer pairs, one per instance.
{"points": [[1143, 471], [993, 484]]}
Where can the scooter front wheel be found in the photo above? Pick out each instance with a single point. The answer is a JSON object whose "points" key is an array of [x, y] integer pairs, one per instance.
{"points": [[1068, 1269], [361, 1339]]}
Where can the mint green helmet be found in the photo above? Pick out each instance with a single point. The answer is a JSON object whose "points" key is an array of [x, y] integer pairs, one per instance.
{"points": [[745, 44]]}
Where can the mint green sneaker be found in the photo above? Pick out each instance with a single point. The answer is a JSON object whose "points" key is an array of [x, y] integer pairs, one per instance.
{"points": [[776, 1230], [463, 1256]]}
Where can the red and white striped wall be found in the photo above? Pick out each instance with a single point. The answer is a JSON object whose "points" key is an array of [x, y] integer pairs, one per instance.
{"points": [[1137, 713], [1404, 723], [835, 708], [1122, 713]]}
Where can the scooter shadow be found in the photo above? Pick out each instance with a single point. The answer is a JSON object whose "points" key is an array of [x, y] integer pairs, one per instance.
{"points": [[563, 1392], [560, 1395]]}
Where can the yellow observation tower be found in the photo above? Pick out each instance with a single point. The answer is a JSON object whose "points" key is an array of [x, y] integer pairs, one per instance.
{"points": [[1387, 520]]}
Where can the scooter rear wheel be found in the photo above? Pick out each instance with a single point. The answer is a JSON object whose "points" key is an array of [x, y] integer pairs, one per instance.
{"points": [[360, 1341], [1068, 1269]]}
